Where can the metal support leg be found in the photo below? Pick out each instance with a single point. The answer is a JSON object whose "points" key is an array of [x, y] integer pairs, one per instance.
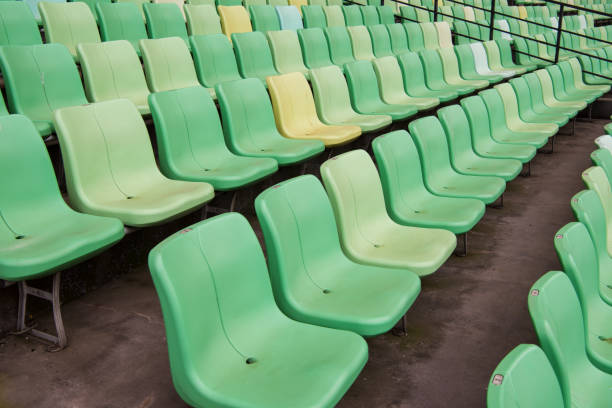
{"points": [[304, 168], [528, 172], [590, 112], [464, 252], [499, 203], [204, 212], [574, 126], [234, 199], [403, 330], [60, 341]]}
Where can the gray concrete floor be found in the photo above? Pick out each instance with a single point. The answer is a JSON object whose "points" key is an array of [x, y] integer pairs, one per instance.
{"points": [[468, 316]]}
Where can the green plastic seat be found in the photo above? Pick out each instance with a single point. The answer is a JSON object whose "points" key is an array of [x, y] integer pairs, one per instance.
{"points": [[314, 48], [367, 233], [499, 123], [40, 79], [112, 70], [33, 6], [333, 101], [505, 53], [253, 55], [365, 93], [407, 199], [452, 75], [333, 15], [168, 64], [312, 279], [493, 50], [415, 36], [112, 172], [121, 21], [548, 96], [414, 79], [565, 92], [191, 144], [557, 318], [385, 14], [339, 43], [264, 18], [538, 103], [572, 75], [68, 24], [202, 19], [463, 158], [381, 43], [361, 43], [250, 129], [530, 112], [222, 322], [165, 20], [596, 179], [285, 48], [369, 15], [398, 38], [214, 60], [390, 83], [92, 4], [314, 16], [467, 66], [440, 177], [579, 259], [17, 24], [524, 378], [434, 74], [39, 233], [352, 15], [137, 3], [430, 36], [482, 139], [589, 211]]}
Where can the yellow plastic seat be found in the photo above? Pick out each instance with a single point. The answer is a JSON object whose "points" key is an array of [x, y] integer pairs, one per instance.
{"points": [[296, 114], [234, 19]]}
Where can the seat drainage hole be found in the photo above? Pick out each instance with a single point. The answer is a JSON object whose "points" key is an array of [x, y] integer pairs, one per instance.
{"points": [[20, 237], [251, 360], [206, 169], [129, 197], [377, 245], [326, 291]]}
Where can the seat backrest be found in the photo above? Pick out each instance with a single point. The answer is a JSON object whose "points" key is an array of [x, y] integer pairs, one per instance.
{"points": [[331, 94], [165, 20], [205, 293], [334, 3], [278, 2], [557, 318], [121, 21], [362, 82], [314, 16], [202, 19], [40, 79], [298, 4], [603, 159], [300, 231], [248, 3], [399, 40], [289, 17], [33, 6], [168, 64], [524, 378], [352, 15], [316, 3], [495, 106], [314, 47], [114, 161], [112, 70], [92, 5], [138, 4], [339, 43], [69, 24], [444, 34], [589, 211], [381, 43], [179, 3], [334, 16], [429, 137], [264, 18], [430, 36], [432, 64], [286, 51], [253, 55], [234, 19], [17, 24], [415, 36], [370, 15], [457, 130], [214, 59], [385, 14], [361, 42], [188, 130], [412, 71]]}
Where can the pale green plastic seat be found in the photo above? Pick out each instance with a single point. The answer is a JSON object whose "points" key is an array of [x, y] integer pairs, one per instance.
{"points": [[557, 318], [440, 177], [568, 93], [314, 48], [589, 211], [365, 93], [202, 19], [361, 42], [214, 60], [121, 21], [17, 24], [112, 70], [385, 14], [69, 24], [39, 79], [339, 43], [414, 79], [286, 51], [367, 233], [138, 3], [277, 2], [434, 74], [596, 179], [482, 140], [415, 36], [452, 76], [264, 18], [579, 259], [549, 95], [253, 55], [539, 103], [168, 64], [524, 378], [314, 16], [577, 72], [165, 20], [430, 36], [334, 16], [352, 15], [222, 322], [381, 43], [603, 159], [463, 158], [467, 66], [407, 199], [33, 6], [112, 172], [399, 40], [250, 129], [191, 145], [312, 279], [528, 111], [333, 101], [497, 63]]}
